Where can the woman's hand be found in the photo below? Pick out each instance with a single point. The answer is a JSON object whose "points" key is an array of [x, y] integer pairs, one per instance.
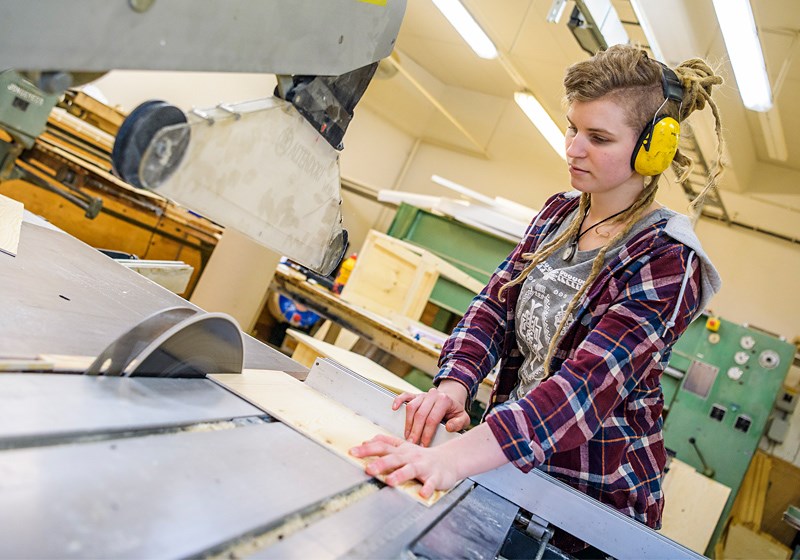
{"points": [[402, 461], [437, 468], [425, 411]]}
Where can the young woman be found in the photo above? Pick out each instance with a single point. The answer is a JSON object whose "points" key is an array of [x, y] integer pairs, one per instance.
{"points": [[583, 314]]}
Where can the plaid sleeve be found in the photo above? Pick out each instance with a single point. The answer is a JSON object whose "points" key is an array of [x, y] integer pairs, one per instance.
{"points": [[566, 410]]}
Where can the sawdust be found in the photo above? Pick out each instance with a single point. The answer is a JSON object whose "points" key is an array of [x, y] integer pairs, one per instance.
{"points": [[210, 427], [295, 523]]}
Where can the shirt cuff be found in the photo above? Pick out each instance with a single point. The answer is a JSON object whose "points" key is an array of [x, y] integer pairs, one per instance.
{"points": [[504, 421]]}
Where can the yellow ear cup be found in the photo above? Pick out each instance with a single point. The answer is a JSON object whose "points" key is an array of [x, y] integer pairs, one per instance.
{"points": [[656, 146]]}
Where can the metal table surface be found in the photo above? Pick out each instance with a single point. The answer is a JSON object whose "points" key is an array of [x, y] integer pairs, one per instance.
{"points": [[60, 296], [37, 409], [162, 496]]}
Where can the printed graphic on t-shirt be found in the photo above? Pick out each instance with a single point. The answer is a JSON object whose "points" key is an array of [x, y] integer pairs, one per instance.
{"points": [[542, 303]]}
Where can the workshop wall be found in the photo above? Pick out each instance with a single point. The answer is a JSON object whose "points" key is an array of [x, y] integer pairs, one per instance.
{"points": [[129, 88], [374, 155], [759, 276]]}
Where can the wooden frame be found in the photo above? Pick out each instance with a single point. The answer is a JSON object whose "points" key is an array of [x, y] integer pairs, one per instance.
{"points": [[392, 276]]}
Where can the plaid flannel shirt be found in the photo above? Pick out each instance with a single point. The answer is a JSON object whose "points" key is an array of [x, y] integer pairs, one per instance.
{"points": [[596, 422]]}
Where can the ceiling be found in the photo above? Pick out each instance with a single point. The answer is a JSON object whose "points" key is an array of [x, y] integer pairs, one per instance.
{"points": [[438, 90]]}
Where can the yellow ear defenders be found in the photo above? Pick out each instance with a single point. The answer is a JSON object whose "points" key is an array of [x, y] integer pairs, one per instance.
{"points": [[658, 142]]}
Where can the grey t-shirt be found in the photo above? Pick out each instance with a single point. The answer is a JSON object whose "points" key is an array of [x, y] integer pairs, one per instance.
{"points": [[545, 296]]}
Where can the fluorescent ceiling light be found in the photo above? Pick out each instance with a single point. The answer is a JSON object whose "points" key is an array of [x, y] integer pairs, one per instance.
{"points": [[461, 189], [539, 117], [467, 27], [644, 22], [774, 138], [744, 49]]}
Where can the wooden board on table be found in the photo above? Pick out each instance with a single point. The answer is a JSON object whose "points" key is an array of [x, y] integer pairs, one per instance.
{"points": [[24, 365], [322, 419], [309, 349], [65, 363], [10, 224], [687, 519], [58, 363]]}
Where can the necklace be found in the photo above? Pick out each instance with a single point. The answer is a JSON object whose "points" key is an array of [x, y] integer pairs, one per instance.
{"points": [[572, 247]]}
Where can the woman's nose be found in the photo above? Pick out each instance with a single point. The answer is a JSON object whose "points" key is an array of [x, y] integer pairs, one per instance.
{"points": [[575, 146]]}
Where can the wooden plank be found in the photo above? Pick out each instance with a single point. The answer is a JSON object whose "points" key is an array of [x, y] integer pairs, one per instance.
{"points": [[309, 349], [10, 224], [687, 519], [322, 419], [24, 365], [64, 363], [87, 132], [748, 509], [88, 109], [58, 363]]}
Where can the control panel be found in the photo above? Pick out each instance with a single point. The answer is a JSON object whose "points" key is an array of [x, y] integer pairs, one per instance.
{"points": [[728, 377]]}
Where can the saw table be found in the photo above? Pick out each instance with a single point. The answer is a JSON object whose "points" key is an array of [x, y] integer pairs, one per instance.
{"points": [[95, 466]]}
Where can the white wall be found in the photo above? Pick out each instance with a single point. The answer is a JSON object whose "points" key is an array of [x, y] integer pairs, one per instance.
{"points": [[129, 88], [760, 278], [374, 155]]}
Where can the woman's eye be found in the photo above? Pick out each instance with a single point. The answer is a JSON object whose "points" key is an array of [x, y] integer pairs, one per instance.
{"points": [[571, 130], [599, 139]]}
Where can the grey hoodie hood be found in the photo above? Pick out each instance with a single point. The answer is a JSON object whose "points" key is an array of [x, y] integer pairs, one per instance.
{"points": [[679, 227]]}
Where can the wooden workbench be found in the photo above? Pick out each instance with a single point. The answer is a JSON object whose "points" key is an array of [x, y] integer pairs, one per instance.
{"points": [[373, 328]]}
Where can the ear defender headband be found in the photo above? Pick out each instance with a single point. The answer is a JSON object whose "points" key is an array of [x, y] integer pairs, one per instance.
{"points": [[658, 142]]}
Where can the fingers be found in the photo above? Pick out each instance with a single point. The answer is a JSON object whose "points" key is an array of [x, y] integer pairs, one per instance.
{"points": [[458, 423], [376, 447], [431, 422], [401, 475], [411, 409], [421, 417], [428, 488], [384, 465], [402, 398]]}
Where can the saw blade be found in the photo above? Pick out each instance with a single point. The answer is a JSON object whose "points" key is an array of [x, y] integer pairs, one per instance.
{"points": [[202, 344], [116, 357]]}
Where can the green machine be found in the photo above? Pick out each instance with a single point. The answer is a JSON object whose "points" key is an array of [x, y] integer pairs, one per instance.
{"points": [[23, 115], [720, 388]]}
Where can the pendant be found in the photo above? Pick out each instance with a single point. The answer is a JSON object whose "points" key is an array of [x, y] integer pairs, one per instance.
{"points": [[569, 252]]}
